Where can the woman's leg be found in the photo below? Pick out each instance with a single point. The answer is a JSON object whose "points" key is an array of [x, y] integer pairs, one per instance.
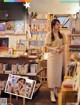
{"points": [[53, 99], [56, 91]]}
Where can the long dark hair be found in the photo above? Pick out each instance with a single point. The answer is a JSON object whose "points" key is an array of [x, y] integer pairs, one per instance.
{"points": [[21, 79], [53, 22]]}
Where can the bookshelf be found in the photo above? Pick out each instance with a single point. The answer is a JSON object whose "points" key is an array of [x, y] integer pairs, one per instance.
{"points": [[38, 29], [73, 45]]}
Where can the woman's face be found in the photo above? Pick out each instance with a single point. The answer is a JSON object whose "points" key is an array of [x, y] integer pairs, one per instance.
{"points": [[21, 82], [57, 26]]}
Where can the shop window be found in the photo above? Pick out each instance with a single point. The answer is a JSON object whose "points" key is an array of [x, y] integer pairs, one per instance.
{"points": [[64, 20]]}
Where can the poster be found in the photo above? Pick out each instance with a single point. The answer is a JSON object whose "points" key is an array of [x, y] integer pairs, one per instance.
{"points": [[20, 86]]}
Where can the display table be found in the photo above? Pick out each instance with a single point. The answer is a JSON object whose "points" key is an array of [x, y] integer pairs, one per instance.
{"points": [[67, 95]]}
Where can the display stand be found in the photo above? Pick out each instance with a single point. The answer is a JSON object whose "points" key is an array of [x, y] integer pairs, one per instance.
{"points": [[0, 92], [10, 100], [24, 101], [60, 98], [16, 98]]}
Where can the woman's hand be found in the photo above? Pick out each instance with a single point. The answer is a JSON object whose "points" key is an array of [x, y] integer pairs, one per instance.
{"points": [[60, 49]]}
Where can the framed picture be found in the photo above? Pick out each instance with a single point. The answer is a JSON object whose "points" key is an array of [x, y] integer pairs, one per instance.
{"points": [[20, 86]]}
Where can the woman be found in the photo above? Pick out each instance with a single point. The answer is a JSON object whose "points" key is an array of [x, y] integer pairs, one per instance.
{"points": [[55, 44], [18, 87]]}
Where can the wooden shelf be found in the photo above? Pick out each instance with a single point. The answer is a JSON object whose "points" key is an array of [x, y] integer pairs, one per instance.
{"points": [[39, 31], [69, 37], [74, 35], [41, 19], [12, 34], [35, 40]]}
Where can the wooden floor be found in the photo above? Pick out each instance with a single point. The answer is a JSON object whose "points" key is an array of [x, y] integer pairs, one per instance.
{"points": [[41, 98]]}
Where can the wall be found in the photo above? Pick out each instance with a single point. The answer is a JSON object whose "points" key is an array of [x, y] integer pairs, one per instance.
{"points": [[16, 11], [53, 6]]}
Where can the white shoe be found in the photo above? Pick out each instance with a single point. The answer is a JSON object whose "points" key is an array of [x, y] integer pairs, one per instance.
{"points": [[52, 96]]}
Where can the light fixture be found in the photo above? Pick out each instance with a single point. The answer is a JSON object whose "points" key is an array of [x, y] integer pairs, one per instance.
{"points": [[26, 5]]}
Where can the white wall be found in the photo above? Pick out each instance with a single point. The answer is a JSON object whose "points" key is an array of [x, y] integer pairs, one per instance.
{"points": [[53, 6]]}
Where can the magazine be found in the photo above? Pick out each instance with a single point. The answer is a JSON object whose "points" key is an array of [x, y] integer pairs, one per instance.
{"points": [[20, 86]]}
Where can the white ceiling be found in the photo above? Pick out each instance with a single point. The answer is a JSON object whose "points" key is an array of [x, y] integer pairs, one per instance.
{"points": [[53, 6]]}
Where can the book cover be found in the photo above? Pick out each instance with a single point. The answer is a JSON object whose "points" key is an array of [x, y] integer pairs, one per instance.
{"points": [[19, 27], [21, 44], [9, 28], [20, 86], [23, 68], [12, 43], [3, 101], [2, 28]]}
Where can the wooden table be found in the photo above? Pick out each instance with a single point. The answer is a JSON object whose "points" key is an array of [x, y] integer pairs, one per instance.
{"points": [[67, 95]]}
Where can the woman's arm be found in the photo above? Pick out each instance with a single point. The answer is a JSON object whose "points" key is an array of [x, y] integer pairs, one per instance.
{"points": [[51, 49], [48, 43]]}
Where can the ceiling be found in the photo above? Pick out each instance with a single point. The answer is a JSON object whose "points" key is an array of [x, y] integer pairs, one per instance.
{"points": [[53, 6]]}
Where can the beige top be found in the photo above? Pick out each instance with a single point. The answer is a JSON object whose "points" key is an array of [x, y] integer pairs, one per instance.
{"points": [[56, 43]]}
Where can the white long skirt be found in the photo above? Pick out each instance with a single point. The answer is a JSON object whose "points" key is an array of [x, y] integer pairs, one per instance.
{"points": [[54, 69]]}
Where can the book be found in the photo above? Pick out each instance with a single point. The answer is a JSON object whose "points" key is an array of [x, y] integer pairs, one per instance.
{"points": [[2, 28], [2, 85], [12, 43], [9, 28], [19, 27], [21, 44], [22, 68], [14, 68], [3, 101]]}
